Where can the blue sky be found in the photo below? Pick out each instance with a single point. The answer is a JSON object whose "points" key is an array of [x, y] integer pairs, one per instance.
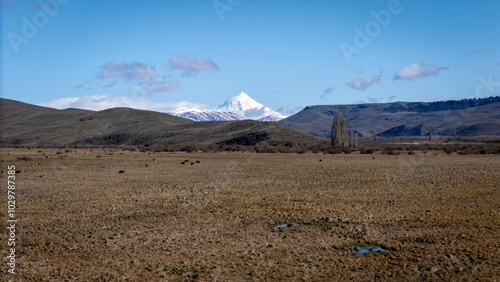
{"points": [[170, 55]]}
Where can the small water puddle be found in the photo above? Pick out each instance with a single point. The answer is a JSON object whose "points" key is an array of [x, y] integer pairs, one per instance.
{"points": [[282, 226], [366, 249]]}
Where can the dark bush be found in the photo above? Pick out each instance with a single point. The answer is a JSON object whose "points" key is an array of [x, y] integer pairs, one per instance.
{"points": [[366, 151]]}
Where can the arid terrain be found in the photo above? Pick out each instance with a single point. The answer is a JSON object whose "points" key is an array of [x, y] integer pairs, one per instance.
{"points": [[435, 216]]}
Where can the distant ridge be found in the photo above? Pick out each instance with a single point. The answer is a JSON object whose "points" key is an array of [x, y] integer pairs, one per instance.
{"points": [[467, 117]]}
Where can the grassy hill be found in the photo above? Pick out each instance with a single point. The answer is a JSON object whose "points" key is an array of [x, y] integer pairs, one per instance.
{"points": [[29, 125]]}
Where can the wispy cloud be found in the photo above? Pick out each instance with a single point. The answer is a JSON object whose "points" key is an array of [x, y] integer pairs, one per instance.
{"points": [[190, 66], [132, 71], [161, 86], [289, 111], [6, 4], [417, 70], [475, 52], [374, 100], [328, 91], [363, 83], [111, 84], [41, 3], [102, 102]]}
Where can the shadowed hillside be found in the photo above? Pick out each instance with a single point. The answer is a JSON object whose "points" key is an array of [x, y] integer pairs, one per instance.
{"points": [[468, 117], [28, 125]]}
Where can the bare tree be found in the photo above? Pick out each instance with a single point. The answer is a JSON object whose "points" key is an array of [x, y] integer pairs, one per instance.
{"points": [[339, 131], [355, 140]]}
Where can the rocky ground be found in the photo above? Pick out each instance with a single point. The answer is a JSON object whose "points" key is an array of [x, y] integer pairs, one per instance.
{"points": [[432, 216]]}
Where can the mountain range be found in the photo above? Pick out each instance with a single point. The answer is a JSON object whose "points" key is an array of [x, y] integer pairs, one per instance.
{"points": [[238, 107], [23, 124]]}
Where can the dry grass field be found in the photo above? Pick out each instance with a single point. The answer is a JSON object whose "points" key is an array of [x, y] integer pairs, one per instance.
{"points": [[437, 216]]}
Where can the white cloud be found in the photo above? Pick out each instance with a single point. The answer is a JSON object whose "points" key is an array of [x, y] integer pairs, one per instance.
{"points": [[102, 102], [132, 71], [190, 66], [364, 82], [416, 70]]}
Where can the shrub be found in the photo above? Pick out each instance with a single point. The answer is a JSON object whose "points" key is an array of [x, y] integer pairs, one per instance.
{"points": [[390, 151], [366, 151]]}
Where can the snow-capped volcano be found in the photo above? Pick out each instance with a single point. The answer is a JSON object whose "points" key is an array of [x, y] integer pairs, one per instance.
{"points": [[247, 107], [238, 107]]}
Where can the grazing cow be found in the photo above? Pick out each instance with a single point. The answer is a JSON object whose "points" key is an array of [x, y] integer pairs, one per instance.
{"points": [[320, 160], [18, 171], [41, 174], [186, 161], [192, 163], [154, 160], [46, 157], [146, 165], [2, 171], [198, 162], [121, 171], [183, 163], [373, 157]]}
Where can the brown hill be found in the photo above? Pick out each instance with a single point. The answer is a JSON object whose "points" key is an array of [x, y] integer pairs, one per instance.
{"points": [[468, 117], [29, 125]]}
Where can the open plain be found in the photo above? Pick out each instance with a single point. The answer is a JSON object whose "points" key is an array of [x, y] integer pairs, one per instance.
{"points": [[434, 216]]}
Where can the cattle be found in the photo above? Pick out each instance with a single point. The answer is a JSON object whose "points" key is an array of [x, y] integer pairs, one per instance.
{"points": [[46, 157], [121, 171], [154, 160], [18, 171], [198, 162], [192, 163], [320, 160], [146, 165], [41, 174], [183, 163], [186, 161]]}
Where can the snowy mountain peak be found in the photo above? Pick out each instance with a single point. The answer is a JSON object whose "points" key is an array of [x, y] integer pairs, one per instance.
{"points": [[243, 105], [241, 102], [238, 107]]}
